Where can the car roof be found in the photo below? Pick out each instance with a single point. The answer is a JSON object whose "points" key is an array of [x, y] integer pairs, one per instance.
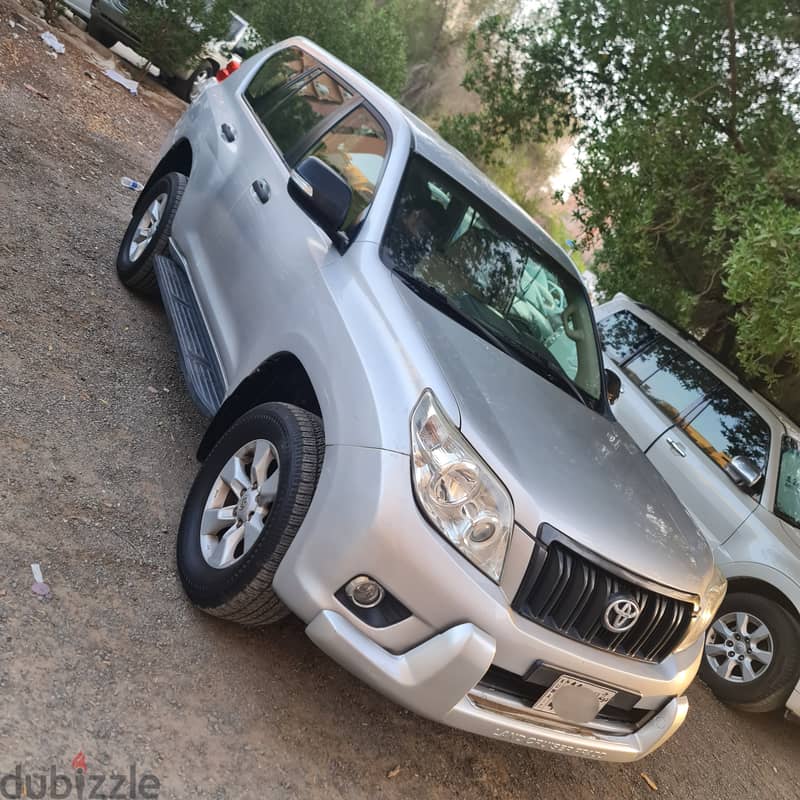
{"points": [[431, 146], [692, 347]]}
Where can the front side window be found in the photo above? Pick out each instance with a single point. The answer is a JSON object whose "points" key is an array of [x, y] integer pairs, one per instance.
{"points": [[623, 334], [356, 149], [787, 498], [263, 90], [670, 377], [492, 277], [728, 427], [297, 115]]}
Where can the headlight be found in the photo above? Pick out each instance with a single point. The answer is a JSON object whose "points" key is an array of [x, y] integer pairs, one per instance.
{"points": [[461, 497], [709, 605]]}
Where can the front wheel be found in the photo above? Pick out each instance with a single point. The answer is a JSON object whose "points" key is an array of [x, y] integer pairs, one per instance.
{"points": [[244, 509], [148, 233], [752, 653]]}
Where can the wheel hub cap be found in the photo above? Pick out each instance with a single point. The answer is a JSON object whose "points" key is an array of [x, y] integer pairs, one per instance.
{"points": [[147, 227], [739, 647], [239, 503]]}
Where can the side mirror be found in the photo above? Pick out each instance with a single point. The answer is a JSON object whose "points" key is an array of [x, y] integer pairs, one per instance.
{"points": [[323, 194], [613, 386], [743, 472]]}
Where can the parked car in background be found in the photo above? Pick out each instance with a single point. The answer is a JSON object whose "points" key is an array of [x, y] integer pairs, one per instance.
{"points": [[733, 459], [109, 24], [83, 8], [411, 445]]}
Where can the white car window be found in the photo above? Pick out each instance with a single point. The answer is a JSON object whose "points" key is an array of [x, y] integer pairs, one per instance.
{"points": [[787, 499]]}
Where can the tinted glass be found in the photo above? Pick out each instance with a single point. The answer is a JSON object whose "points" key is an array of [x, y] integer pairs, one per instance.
{"points": [[296, 116], [622, 334], [491, 273], [262, 92], [728, 427], [787, 499], [669, 377], [356, 149]]}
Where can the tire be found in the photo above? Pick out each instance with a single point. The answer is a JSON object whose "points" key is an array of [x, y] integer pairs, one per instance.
{"points": [[184, 86], [772, 683], [136, 270], [241, 591], [102, 34]]}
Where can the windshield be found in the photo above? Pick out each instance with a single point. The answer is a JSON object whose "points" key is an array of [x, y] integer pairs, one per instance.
{"points": [[787, 499], [491, 273]]}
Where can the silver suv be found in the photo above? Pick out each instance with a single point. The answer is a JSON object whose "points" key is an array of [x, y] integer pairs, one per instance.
{"points": [[734, 461], [410, 446]]}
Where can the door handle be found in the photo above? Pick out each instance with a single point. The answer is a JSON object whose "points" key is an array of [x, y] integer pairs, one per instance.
{"points": [[262, 190], [677, 447], [228, 132]]}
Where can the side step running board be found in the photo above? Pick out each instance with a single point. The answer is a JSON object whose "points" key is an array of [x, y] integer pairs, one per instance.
{"points": [[198, 359]]}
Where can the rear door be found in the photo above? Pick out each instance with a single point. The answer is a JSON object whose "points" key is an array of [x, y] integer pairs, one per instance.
{"points": [[693, 455], [660, 382]]}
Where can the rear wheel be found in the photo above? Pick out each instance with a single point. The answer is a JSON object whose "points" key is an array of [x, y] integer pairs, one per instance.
{"points": [[244, 509], [752, 653], [148, 233], [191, 88]]}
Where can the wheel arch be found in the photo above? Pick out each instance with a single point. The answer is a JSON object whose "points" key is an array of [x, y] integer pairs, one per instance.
{"points": [[765, 588], [281, 378], [178, 158]]}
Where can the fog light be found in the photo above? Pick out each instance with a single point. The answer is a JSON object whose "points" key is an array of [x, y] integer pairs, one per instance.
{"points": [[364, 592]]}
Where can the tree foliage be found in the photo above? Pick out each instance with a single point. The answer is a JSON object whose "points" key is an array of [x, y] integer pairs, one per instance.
{"points": [[172, 34], [686, 115], [367, 35]]}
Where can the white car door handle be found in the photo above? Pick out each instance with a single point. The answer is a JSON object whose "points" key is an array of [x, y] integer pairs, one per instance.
{"points": [[677, 447]]}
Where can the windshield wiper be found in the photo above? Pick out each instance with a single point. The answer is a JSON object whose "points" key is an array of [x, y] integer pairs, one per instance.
{"points": [[540, 362]]}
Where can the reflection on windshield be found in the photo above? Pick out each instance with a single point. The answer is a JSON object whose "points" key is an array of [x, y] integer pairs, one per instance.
{"points": [[787, 499], [490, 272]]}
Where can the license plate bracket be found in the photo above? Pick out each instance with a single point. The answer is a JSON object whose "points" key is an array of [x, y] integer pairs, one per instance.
{"points": [[544, 704]]}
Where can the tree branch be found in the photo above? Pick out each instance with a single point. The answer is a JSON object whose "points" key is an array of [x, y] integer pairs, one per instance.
{"points": [[732, 77]]}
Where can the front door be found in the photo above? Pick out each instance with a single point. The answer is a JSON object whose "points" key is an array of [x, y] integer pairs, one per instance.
{"points": [[272, 278], [693, 455]]}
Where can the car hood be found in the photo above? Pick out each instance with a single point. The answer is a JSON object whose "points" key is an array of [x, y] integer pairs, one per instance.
{"points": [[563, 463]]}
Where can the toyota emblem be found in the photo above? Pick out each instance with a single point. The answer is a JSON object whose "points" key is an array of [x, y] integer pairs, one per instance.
{"points": [[621, 614]]}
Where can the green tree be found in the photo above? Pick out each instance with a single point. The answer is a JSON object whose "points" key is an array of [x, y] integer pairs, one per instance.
{"points": [[687, 116], [172, 34], [367, 35]]}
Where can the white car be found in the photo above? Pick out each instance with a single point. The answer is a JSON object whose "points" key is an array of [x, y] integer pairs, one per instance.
{"points": [[733, 459]]}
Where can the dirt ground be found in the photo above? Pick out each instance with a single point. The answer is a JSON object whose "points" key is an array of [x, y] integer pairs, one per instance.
{"points": [[97, 441]]}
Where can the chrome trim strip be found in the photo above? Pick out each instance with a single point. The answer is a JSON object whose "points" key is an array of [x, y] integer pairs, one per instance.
{"points": [[548, 534], [501, 704]]}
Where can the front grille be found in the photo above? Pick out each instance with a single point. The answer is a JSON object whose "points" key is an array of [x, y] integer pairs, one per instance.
{"points": [[568, 592]]}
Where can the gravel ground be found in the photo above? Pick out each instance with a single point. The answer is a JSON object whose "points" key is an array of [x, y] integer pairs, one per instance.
{"points": [[98, 437]]}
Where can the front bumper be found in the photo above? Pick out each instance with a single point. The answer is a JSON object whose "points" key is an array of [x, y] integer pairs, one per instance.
{"points": [[437, 680], [363, 520]]}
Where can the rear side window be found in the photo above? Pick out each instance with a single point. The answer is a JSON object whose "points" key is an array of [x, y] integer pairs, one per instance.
{"points": [[728, 427], [297, 115], [623, 334], [671, 378], [262, 91], [356, 148]]}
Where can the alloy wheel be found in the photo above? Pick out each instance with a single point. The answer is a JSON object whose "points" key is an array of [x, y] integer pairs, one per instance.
{"points": [[739, 647], [238, 504], [147, 227]]}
